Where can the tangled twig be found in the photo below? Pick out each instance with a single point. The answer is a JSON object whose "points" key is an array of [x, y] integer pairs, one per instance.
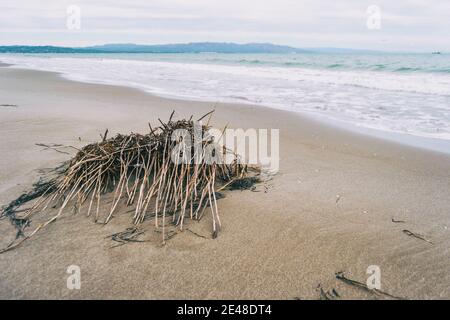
{"points": [[140, 169]]}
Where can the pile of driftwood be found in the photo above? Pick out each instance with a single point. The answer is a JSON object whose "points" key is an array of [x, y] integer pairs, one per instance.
{"points": [[139, 170]]}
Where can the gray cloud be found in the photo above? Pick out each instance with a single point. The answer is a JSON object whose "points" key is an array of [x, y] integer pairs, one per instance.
{"points": [[416, 25]]}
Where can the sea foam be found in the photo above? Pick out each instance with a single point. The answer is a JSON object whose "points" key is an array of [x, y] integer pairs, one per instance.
{"points": [[414, 103]]}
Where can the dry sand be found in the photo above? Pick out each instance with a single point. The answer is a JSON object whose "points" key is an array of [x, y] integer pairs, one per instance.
{"points": [[278, 244]]}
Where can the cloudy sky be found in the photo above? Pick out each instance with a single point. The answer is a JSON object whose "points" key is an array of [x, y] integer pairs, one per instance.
{"points": [[407, 25]]}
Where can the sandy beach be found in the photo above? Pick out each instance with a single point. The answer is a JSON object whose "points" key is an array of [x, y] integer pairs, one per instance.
{"points": [[329, 208]]}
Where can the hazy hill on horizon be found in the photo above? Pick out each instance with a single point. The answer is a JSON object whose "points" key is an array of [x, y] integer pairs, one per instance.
{"points": [[193, 47], [196, 47]]}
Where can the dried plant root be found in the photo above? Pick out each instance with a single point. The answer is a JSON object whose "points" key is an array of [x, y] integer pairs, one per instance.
{"points": [[138, 170]]}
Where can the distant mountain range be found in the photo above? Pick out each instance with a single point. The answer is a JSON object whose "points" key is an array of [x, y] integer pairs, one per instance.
{"points": [[197, 47], [39, 49], [217, 47]]}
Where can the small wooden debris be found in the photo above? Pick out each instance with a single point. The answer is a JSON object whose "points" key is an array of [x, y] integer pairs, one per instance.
{"points": [[327, 295], [197, 234], [53, 146], [104, 135], [416, 235], [129, 235], [340, 276]]}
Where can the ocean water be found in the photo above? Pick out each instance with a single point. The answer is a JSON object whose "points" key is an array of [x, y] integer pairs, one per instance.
{"points": [[406, 94]]}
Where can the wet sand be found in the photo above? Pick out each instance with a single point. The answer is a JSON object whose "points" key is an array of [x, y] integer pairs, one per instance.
{"points": [[279, 243]]}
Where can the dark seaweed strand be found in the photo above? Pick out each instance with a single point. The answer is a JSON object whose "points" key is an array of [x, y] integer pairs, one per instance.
{"points": [[39, 188]]}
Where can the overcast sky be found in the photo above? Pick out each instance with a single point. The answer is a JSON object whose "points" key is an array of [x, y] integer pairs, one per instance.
{"points": [[406, 25]]}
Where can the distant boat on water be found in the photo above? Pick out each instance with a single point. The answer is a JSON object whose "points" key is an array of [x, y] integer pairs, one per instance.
{"points": [[436, 52]]}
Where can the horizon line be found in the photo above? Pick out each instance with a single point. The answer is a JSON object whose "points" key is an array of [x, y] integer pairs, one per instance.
{"points": [[223, 42]]}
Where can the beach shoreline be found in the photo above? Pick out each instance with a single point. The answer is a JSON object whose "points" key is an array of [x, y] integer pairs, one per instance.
{"points": [[329, 209], [440, 145], [409, 110]]}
